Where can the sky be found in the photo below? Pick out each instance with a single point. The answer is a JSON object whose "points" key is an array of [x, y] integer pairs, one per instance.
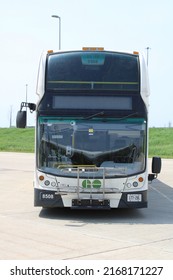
{"points": [[27, 29]]}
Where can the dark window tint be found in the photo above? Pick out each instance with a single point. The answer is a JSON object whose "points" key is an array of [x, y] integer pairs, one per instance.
{"points": [[93, 70]]}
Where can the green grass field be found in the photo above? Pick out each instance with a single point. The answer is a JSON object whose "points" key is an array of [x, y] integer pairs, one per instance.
{"points": [[161, 142], [17, 140], [22, 140]]}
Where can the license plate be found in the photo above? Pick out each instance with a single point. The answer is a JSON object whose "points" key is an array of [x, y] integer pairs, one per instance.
{"points": [[134, 197], [47, 196], [90, 203]]}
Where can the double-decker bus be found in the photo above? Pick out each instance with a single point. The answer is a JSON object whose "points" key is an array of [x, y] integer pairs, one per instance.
{"points": [[92, 130]]}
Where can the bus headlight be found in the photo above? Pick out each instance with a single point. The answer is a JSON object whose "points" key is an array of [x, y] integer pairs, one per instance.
{"points": [[135, 184], [47, 183], [53, 184]]}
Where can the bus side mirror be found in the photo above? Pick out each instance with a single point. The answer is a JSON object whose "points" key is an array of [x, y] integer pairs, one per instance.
{"points": [[21, 119], [22, 116], [156, 168], [156, 165]]}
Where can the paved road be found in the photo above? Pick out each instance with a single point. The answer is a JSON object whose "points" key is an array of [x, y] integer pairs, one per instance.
{"points": [[34, 233]]}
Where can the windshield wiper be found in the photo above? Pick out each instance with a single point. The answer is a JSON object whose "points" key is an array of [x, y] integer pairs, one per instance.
{"points": [[128, 116], [94, 115]]}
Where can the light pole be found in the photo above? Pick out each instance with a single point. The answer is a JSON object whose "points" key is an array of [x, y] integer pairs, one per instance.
{"points": [[148, 54], [26, 101], [55, 16], [26, 93]]}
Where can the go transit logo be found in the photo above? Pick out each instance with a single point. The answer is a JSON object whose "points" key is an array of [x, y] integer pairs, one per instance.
{"points": [[87, 184]]}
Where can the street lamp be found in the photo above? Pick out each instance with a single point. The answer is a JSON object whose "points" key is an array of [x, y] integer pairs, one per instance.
{"points": [[26, 101], [26, 93], [148, 54], [55, 16]]}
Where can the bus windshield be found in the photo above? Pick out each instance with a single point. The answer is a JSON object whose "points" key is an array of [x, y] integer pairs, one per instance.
{"points": [[66, 144], [92, 70]]}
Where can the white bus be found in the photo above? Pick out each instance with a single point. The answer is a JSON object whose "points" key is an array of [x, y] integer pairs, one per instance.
{"points": [[92, 130]]}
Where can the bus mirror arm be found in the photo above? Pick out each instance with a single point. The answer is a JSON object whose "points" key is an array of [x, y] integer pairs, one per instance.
{"points": [[151, 177], [31, 106]]}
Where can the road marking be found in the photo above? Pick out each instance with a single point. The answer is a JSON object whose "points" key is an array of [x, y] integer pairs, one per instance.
{"points": [[162, 194]]}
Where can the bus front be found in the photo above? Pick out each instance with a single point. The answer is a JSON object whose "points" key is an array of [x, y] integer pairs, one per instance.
{"points": [[91, 131]]}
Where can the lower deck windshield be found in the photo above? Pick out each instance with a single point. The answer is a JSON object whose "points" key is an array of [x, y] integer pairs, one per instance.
{"points": [[118, 146]]}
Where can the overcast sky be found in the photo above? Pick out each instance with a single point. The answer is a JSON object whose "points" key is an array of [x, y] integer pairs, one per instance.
{"points": [[27, 28]]}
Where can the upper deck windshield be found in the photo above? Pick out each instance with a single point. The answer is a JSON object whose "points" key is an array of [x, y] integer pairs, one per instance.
{"points": [[117, 146], [92, 70]]}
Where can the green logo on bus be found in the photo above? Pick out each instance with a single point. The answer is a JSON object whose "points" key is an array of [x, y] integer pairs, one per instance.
{"points": [[87, 184]]}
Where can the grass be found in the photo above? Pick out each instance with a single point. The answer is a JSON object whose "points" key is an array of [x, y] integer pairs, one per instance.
{"points": [[22, 140], [161, 142], [17, 140]]}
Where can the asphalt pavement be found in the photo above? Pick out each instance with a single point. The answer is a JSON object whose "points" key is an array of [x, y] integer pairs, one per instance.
{"points": [[33, 233]]}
